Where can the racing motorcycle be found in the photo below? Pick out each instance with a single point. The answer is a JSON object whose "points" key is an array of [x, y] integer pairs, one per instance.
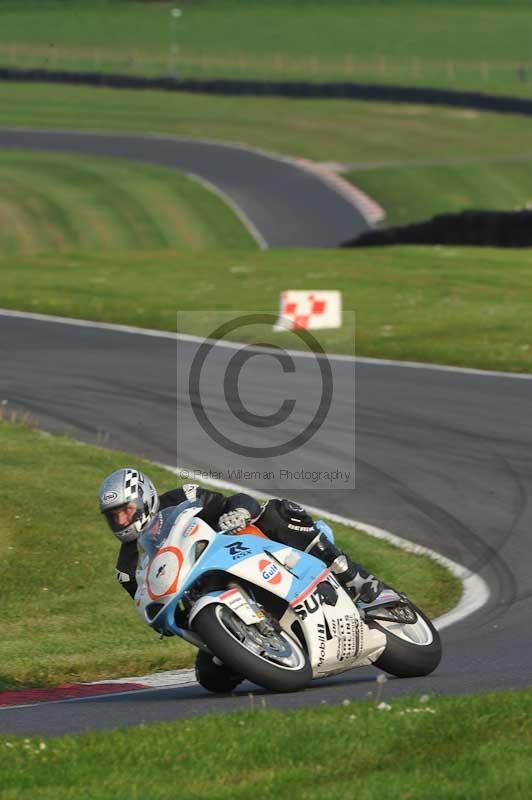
{"points": [[268, 613]]}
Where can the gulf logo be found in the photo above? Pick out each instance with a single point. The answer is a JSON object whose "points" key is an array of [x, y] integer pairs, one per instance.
{"points": [[270, 571]]}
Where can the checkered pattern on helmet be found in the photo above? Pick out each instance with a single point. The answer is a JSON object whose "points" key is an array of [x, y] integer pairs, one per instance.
{"points": [[131, 485], [151, 501]]}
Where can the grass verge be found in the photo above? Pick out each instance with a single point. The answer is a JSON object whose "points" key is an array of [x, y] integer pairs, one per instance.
{"points": [[475, 747], [415, 192], [60, 202], [462, 306], [481, 45], [75, 622]]}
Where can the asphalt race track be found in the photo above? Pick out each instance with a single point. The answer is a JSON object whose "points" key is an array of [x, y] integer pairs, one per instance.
{"points": [[290, 206], [443, 458]]}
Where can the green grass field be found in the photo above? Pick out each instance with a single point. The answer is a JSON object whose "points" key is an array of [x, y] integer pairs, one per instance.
{"points": [[483, 45], [464, 306], [75, 622], [464, 748], [56, 202]]}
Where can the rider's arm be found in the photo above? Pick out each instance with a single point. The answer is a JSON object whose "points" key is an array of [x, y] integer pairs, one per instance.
{"points": [[242, 500], [126, 566], [172, 498], [214, 504]]}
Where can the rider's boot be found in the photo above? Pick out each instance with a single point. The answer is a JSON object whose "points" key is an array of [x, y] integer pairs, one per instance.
{"points": [[360, 584], [215, 676]]}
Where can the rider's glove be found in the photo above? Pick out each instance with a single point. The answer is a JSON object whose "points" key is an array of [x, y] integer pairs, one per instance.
{"points": [[235, 520]]}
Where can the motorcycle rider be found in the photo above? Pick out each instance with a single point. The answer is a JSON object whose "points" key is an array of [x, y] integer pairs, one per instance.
{"points": [[130, 503]]}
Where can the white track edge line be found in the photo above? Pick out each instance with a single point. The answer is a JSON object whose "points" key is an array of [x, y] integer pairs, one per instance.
{"points": [[186, 337], [157, 680], [242, 216], [210, 187]]}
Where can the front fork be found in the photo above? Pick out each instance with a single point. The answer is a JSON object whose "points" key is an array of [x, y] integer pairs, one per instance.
{"points": [[235, 598]]}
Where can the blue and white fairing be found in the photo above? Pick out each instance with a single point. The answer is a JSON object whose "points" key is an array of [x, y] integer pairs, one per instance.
{"points": [[172, 559], [178, 549]]}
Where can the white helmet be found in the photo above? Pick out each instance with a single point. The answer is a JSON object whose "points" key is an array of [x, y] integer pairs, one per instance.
{"points": [[128, 487]]}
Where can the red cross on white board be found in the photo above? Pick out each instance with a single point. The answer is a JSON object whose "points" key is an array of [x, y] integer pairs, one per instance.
{"points": [[310, 309]]}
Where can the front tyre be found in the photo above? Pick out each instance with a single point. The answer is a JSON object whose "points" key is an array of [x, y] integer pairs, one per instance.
{"points": [[264, 653], [412, 649]]}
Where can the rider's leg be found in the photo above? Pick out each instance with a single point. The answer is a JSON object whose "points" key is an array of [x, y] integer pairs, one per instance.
{"points": [[359, 582], [287, 522]]}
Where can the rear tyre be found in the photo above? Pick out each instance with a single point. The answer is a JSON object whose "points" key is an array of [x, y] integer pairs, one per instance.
{"points": [[215, 677], [267, 656], [412, 650]]}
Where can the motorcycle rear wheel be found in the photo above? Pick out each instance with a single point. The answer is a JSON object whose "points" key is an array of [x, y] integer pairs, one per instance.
{"points": [[412, 650], [270, 658]]}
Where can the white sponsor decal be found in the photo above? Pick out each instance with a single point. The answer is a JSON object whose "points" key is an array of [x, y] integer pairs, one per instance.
{"points": [[163, 572], [108, 497]]}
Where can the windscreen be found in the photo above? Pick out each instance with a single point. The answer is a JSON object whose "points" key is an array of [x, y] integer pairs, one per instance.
{"points": [[156, 534]]}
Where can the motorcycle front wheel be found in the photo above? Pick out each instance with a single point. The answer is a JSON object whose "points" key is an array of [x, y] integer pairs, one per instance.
{"points": [[264, 653], [412, 649]]}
